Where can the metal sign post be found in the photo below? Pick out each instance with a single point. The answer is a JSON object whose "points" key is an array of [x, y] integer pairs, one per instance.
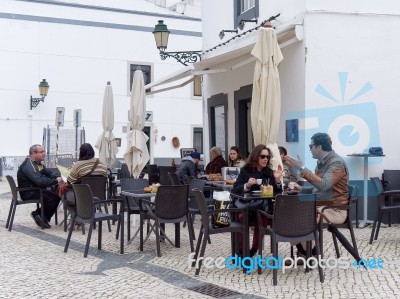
{"points": [[77, 123]]}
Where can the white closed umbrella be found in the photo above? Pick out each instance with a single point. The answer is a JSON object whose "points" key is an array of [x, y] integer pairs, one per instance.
{"points": [[266, 97], [137, 155], [106, 143]]}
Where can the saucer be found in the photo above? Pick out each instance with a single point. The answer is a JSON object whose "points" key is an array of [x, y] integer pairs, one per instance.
{"points": [[293, 192]]}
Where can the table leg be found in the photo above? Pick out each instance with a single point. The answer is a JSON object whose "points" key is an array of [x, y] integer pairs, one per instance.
{"points": [[363, 223], [246, 245]]}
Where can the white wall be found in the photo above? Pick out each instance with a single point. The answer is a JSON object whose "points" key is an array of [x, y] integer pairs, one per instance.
{"points": [[77, 61], [366, 58], [350, 51]]}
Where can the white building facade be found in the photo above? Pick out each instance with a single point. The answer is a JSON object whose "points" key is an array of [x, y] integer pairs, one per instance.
{"points": [[78, 46], [338, 75]]}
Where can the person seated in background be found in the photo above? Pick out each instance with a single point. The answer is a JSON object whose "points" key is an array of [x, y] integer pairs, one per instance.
{"points": [[217, 161], [289, 174], [235, 157], [188, 167], [32, 173], [257, 167], [86, 165]]}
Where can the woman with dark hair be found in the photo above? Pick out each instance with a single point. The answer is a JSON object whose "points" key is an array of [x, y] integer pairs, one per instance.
{"points": [[85, 166], [257, 167], [235, 157]]}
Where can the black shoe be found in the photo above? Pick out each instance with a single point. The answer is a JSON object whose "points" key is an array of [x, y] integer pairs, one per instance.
{"points": [[46, 224], [38, 220], [300, 249], [314, 251]]}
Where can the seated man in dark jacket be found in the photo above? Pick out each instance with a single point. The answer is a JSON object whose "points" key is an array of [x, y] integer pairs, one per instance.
{"points": [[188, 167], [31, 173], [217, 161]]}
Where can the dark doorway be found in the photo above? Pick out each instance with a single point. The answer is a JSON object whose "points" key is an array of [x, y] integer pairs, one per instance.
{"points": [[218, 112], [244, 135]]}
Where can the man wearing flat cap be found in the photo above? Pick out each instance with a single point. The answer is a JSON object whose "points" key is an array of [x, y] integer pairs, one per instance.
{"points": [[188, 166]]}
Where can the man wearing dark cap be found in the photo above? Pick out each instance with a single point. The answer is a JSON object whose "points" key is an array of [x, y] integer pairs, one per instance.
{"points": [[188, 166]]}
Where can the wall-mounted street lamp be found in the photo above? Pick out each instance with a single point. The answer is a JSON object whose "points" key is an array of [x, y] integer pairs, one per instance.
{"points": [[243, 22], [43, 90], [161, 34], [222, 33]]}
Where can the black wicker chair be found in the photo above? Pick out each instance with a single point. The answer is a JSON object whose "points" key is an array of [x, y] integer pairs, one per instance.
{"points": [[86, 211], [98, 185], [385, 206], [235, 228], [353, 198], [294, 220], [164, 177], [391, 181], [124, 172], [170, 206], [153, 173], [131, 206], [193, 206], [174, 178], [16, 201]]}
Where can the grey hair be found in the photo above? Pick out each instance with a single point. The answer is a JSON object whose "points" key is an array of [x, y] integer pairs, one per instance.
{"points": [[216, 150], [33, 149]]}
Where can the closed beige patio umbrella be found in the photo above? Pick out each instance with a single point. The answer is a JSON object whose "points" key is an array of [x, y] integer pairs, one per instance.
{"points": [[106, 143], [137, 155], [266, 97]]}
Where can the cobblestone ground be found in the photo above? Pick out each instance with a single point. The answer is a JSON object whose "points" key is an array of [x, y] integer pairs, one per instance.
{"points": [[33, 265]]}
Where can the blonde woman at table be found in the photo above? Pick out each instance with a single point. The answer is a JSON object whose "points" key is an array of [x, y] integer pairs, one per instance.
{"points": [[257, 167]]}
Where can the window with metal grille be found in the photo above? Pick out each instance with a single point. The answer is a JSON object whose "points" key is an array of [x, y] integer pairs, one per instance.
{"points": [[197, 91], [245, 10], [146, 70], [246, 5], [198, 139]]}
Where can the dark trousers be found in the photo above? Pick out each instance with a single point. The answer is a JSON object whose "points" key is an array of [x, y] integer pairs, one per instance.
{"points": [[252, 221], [50, 204]]}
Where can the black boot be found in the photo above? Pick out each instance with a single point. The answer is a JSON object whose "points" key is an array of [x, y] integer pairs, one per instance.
{"points": [[300, 249]]}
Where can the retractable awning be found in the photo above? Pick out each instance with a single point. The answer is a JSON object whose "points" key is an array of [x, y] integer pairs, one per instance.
{"points": [[224, 59]]}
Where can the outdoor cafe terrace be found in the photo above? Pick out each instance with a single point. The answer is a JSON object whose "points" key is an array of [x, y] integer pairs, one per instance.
{"points": [[34, 265]]}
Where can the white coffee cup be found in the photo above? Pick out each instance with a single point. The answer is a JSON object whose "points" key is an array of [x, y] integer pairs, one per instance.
{"points": [[291, 185], [259, 181]]}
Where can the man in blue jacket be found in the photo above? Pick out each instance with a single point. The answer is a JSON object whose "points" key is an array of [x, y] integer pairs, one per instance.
{"points": [[32, 173], [188, 166]]}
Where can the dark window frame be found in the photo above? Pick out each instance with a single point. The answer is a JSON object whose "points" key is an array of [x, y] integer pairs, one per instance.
{"points": [[242, 97], [217, 100], [252, 13], [147, 70], [200, 131]]}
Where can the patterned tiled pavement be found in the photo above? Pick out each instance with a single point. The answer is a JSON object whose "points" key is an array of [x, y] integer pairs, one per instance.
{"points": [[33, 265]]}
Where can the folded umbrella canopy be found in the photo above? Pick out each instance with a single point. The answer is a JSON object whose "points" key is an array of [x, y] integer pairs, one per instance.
{"points": [[266, 98], [106, 143], [136, 154]]}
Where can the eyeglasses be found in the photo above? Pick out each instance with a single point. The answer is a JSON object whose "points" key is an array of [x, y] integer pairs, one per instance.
{"points": [[265, 156]]}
